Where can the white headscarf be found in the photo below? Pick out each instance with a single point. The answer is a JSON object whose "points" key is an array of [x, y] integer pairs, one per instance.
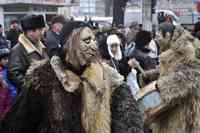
{"points": [[113, 39]]}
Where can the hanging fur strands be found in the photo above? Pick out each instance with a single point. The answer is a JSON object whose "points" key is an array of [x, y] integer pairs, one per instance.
{"points": [[80, 94], [178, 87]]}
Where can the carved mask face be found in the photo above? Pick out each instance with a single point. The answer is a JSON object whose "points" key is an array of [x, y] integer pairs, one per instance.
{"points": [[82, 47], [88, 47]]}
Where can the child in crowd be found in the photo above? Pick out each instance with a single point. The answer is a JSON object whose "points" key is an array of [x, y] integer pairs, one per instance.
{"points": [[7, 90]]}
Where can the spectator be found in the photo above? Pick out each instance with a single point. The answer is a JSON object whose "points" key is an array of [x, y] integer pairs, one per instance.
{"points": [[6, 92], [196, 30], [133, 30], [116, 57], [28, 49], [142, 51], [53, 39], [13, 33], [167, 27], [161, 17], [3, 42], [4, 54]]}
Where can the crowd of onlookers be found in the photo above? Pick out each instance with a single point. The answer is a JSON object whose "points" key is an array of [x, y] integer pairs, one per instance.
{"points": [[8, 91], [131, 51]]}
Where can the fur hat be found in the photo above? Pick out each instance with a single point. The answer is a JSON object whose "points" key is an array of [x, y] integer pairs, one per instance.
{"points": [[32, 22], [58, 19]]}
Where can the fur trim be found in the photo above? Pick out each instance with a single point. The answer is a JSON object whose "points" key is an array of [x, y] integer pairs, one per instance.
{"points": [[99, 84], [29, 46]]}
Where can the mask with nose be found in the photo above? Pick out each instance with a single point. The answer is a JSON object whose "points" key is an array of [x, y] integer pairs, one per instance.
{"points": [[81, 47]]}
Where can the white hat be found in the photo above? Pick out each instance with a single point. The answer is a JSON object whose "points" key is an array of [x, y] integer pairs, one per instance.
{"points": [[113, 39]]}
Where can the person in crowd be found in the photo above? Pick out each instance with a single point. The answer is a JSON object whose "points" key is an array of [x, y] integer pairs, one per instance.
{"points": [[3, 41], [131, 35], [142, 64], [167, 27], [154, 49], [7, 90], [142, 51], [116, 56], [196, 30], [14, 32], [161, 17], [133, 30], [4, 55], [28, 49], [53, 41]]}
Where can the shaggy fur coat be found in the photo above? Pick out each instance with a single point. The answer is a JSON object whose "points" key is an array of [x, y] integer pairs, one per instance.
{"points": [[179, 87], [47, 108]]}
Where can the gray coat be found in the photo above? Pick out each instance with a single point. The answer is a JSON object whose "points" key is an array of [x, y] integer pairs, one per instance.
{"points": [[53, 44]]}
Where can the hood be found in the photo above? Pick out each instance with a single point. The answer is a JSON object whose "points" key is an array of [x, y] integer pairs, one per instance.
{"points": [[113, 39]]}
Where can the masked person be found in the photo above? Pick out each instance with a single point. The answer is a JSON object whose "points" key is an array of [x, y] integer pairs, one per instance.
{"points": [[88, 97], [28, 49]]}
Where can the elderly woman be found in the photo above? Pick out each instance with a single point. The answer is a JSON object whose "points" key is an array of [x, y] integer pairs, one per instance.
{"points": [[117, 60]]}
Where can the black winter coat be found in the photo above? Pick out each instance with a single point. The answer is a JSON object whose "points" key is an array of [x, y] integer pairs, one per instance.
{"points": [[12, 35], [146, 62], [121, 66]]}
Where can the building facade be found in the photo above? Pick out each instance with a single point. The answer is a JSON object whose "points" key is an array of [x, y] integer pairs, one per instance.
{"points": [[16, 9], [186, 9], [100, 8]]}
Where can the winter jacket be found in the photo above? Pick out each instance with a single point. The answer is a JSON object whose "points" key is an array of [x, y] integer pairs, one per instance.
{"points": [[22, 55], [146, 62], [53, 44], [12, 89], [5, 97], [12, 36], [3, 42], [120, 65]]}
